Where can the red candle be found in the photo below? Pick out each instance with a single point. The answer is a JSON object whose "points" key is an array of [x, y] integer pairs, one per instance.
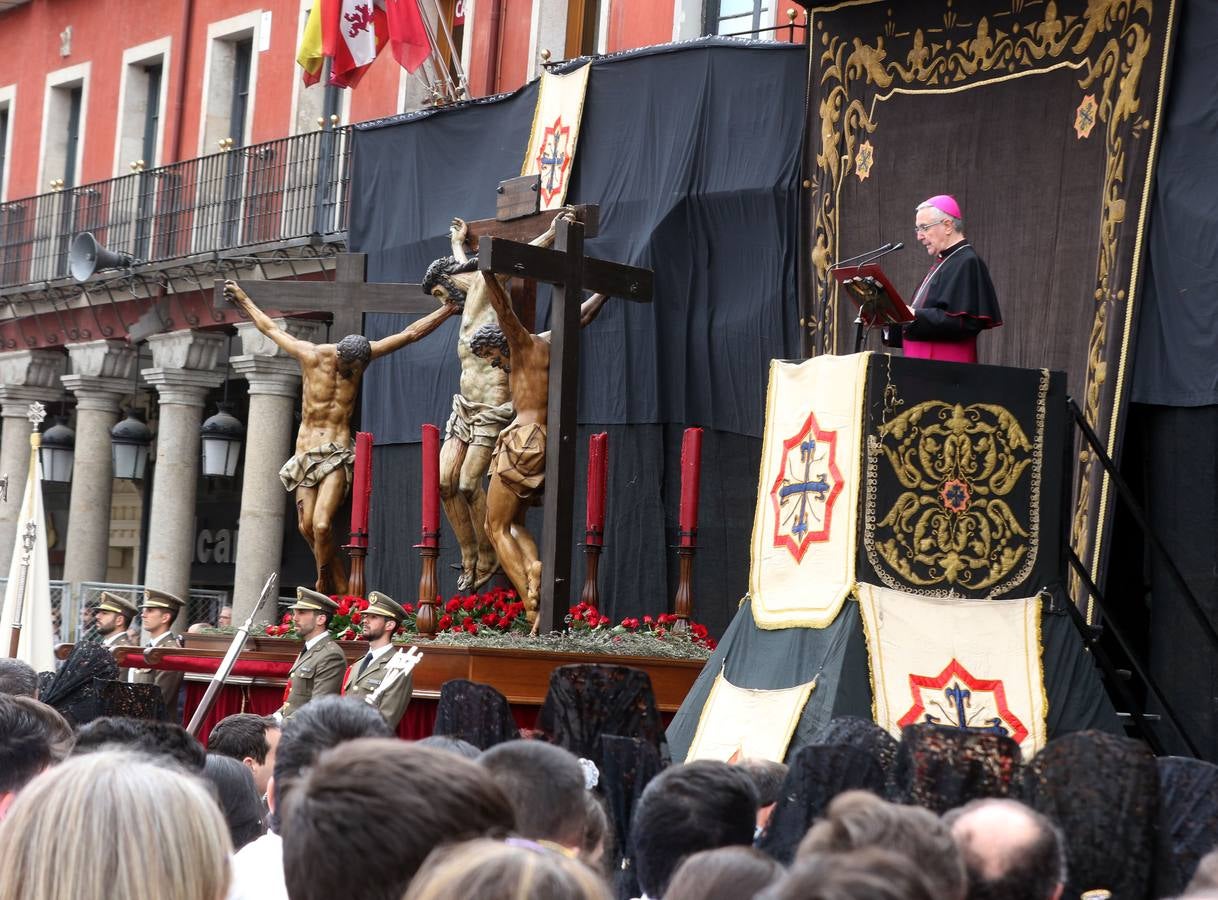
{"points": [[431, 486], [691, 472], [598, 469], [361, 489]]}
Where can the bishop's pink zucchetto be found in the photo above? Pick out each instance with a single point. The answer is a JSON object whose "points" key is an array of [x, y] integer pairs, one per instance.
{"points": [[945, 203]]}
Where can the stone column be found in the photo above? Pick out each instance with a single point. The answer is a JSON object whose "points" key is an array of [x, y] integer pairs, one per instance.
{"points": [[274, 379], [184, 369], [26, 376], [101, 377]]}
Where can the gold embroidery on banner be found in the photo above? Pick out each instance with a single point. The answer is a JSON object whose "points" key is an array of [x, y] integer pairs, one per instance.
{"points": [[1108, 44], [951, 528]]}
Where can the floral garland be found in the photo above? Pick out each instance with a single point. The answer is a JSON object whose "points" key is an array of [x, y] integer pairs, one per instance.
{"points": [[497, 619]]}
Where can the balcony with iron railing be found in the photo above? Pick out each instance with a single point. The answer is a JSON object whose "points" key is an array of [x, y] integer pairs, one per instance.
{"points": [[287, 191]]}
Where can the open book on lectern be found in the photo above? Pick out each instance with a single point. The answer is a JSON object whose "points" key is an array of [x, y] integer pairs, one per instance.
{"points": [[877, 300]]}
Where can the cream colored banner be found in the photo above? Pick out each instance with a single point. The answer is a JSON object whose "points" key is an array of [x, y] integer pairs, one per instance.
{"points": [[961, 663], [556, 118], [739, 722], [806, 524], [27, 596]]}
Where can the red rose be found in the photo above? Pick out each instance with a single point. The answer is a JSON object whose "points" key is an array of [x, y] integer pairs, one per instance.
{"points": [[469, 603], [490, 619], [470, 625], [356, 616], [648, 620], [287, 617], [344, 607], [272, 630], [504, 624], [602, 621], [711, 644], [453, 605], [444, 623], [698, 631], [284, 629], [348, 635], [409, 607], [456, 629]]}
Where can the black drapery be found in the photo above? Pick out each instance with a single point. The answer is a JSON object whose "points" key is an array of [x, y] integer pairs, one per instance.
{"points": [[692, 152]]}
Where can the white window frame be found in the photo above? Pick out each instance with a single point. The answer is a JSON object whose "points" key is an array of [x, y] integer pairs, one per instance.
{"points": [[234, 29], [8, 102], [66, 77], [142, 55]]}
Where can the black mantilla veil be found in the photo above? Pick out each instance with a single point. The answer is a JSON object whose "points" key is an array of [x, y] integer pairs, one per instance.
{"points": [[1103, 792], [942, 768], [73, 690], [862, 734], [818, 774], [627, 765], [476, 713], [1188, 821], [587, 701]]}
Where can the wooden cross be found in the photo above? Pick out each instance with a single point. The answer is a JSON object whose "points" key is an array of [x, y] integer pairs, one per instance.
{"points": [[571, 273], [350, 296]]}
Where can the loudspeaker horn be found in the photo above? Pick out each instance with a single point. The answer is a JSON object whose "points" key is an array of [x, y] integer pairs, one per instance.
{"points": [[87, 256]]}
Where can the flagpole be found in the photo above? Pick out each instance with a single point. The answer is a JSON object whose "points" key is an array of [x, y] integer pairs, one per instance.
{"points": [[30, 536]]}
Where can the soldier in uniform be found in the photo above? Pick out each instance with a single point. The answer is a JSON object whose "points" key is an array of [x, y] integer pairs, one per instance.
{"points": [[382, 619], [112, 616], [319, 668], [158, 611]]}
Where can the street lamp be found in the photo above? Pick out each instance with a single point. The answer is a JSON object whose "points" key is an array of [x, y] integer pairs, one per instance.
{"points": [[57, 451], [129, 443], [222, 437]]}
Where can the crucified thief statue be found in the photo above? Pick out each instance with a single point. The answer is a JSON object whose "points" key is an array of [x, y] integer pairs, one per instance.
{"points": [[518, 466], [320, 472], [480, 410]]}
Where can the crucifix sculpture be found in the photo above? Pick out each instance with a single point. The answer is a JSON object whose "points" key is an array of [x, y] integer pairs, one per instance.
{"points": [[553, 400]]}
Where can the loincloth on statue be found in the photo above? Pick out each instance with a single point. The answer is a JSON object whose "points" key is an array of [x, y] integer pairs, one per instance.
{"points": [[519, 460], [477, 424], [309, 468]]}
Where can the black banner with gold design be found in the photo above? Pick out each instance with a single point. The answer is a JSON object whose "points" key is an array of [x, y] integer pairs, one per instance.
{"points": [[1041, 118], [964, 479]]}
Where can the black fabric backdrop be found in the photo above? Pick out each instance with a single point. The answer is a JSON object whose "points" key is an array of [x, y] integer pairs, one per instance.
{"points": [[692, 153], [1176, 362]]}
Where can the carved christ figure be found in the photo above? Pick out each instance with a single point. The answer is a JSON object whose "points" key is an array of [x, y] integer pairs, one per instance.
{"points": [[518, 466], [480, 410], [320, 472]]}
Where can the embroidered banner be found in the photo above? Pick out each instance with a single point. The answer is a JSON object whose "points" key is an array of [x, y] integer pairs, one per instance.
{"points": [[739, 722], [964, 469], [971, 664], [556, 118], [917, 99], [805, 524]]}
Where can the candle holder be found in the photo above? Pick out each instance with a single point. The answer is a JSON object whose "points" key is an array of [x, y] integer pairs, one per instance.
{"points": [[429, 586], [357, 551], [683, 600], [594, 543]]}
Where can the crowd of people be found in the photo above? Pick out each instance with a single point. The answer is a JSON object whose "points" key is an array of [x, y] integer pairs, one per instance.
{"points": [[330, 804]]}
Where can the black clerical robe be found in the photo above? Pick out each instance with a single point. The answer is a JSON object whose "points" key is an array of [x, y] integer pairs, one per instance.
{"points": [[954, 303]]}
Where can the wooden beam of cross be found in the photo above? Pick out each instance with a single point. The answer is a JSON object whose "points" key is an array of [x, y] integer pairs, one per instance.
{"points": [[350, 296], [571, 273]]}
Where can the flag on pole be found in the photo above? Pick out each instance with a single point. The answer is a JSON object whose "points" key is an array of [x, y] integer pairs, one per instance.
{"points": [[408, 38], [27, 597], [309, 54], [351, 33]]}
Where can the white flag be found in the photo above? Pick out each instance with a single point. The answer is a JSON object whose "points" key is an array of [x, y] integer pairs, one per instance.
{"points": [[30, 568]]}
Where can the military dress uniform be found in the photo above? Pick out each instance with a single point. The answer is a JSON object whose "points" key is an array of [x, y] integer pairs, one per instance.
{"points": [[168, 682], [124, 607], [319, 669], [366, 676]]}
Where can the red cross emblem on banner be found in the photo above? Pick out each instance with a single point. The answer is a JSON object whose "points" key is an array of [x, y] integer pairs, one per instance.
{"points": [[807, 486], [554, 160], [957, 699]]}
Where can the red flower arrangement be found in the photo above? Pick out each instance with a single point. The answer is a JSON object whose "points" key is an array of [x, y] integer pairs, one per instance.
{"points": [[586, 618], [344, 624]]}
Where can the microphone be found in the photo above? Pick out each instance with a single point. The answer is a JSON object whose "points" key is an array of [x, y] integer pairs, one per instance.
{"points": [[883, 251], [879, 251]]}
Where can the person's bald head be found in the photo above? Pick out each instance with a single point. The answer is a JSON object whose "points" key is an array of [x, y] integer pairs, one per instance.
{"points": [[1010, 851]]}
